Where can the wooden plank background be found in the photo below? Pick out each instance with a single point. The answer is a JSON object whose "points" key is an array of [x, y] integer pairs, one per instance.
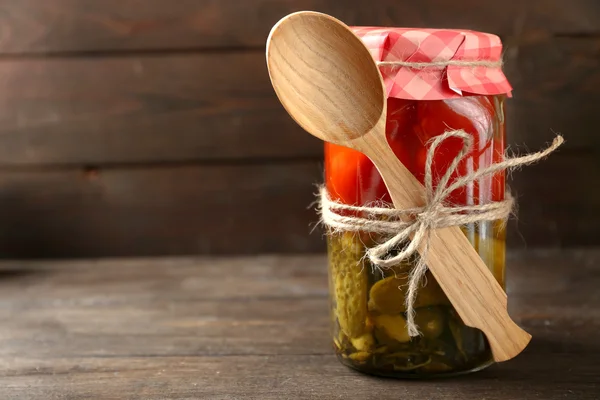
{"points": [[147, 127], [259, 328]]}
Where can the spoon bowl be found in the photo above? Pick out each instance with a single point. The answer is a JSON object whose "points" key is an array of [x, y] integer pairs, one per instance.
{"points": [[303, 58]]}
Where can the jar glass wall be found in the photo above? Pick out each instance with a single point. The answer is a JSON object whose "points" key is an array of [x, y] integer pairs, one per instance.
{"points": [[368, 304]]}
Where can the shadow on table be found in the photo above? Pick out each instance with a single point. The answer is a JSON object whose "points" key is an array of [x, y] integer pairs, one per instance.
{"points": [[548, 362]]}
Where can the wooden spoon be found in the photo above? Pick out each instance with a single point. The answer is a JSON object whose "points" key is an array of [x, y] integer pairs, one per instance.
{"points": [[330, 85]]}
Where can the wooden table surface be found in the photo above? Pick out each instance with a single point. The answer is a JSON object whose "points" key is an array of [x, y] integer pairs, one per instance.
{"points": [[257, 328]]}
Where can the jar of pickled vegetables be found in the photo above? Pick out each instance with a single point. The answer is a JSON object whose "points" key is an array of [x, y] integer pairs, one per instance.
{"points": [[437, 80]]}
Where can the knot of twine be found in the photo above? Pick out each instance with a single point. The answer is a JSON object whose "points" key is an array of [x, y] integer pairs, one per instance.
{"points": [[419, 223]]}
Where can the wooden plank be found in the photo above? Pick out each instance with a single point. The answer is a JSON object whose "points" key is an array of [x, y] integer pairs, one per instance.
{"points": [[278, 303], [258, 328], [539, 374], [31, 26], [144, 109], [245, 208], [221, 106], [557, 88], [558, 201], [155, 211]]}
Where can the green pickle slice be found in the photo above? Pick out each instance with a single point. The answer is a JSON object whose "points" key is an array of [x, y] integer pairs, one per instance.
{"points": [[387, 296]]}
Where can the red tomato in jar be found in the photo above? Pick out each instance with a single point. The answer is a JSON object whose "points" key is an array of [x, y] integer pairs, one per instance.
{"points": [[475, 116], [352, 178], [346, 171]]}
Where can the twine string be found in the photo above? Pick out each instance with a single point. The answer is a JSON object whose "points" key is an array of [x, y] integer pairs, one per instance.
{"points": [[398, 226], [442, 64]]}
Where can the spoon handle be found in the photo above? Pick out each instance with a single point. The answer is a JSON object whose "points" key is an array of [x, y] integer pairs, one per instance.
{"points": [[465, 279], [474, 292]]}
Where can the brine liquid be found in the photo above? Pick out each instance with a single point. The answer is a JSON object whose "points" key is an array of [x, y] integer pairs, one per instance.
{"points": [[367, 304], [369, 318]]}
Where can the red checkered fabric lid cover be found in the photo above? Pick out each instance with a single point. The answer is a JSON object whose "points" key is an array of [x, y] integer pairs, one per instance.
{"points": [[436, 45]]}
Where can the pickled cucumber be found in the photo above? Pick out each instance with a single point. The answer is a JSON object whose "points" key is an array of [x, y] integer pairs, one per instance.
{"points": [[387, 296], [350, 283], [430, 321], [364, 343], [369, 314], [394, 326]]}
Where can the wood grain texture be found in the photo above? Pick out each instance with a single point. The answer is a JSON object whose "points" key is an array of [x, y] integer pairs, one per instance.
{"points": [[164, 210], [326, 79], [558, 201], [155, 93], [258, 328], [58, 26], [206, 106], [143, 109], [197, 208], [556, 88]]}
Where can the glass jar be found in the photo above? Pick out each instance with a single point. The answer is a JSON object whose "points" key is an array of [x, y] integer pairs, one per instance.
{"points": [[368, 304]]}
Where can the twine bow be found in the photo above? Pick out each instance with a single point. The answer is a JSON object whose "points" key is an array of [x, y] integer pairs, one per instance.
{"points": [[420, 222]]}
